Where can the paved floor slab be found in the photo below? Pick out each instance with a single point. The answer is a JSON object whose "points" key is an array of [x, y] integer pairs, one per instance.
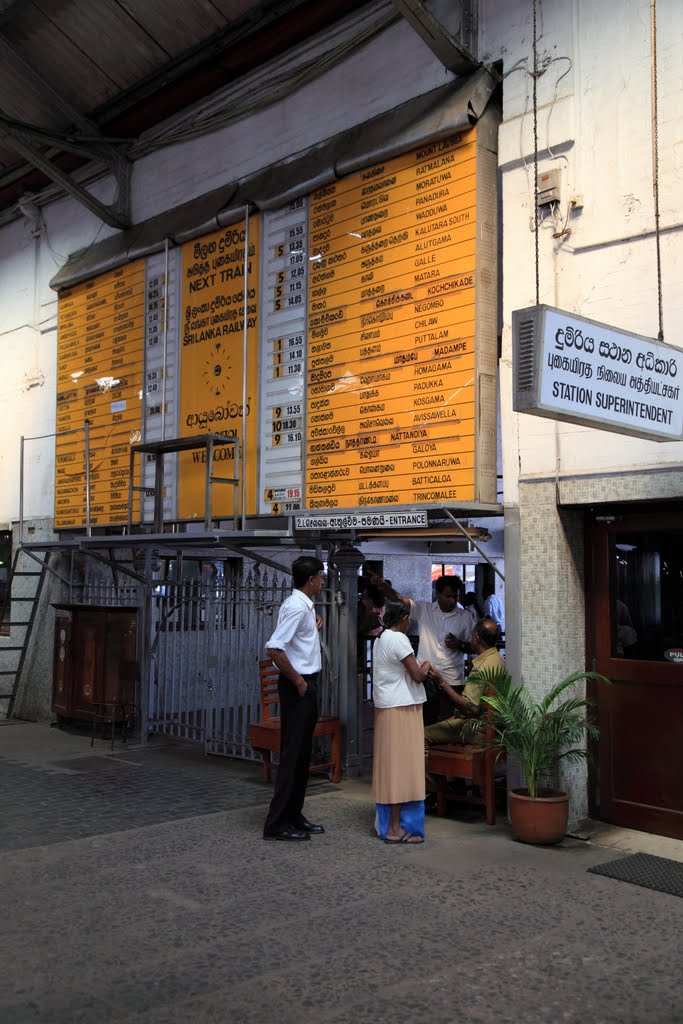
{"points": [[193, 918]]}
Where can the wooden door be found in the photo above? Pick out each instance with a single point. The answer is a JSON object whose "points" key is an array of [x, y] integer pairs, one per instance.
{"points": [[635, 628], [89, 658], [120, 666], [61, 671]]}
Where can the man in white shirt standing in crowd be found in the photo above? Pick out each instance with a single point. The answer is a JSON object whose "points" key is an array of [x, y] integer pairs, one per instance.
{"points": [[294, 648], [493, 606], [445, 629]]}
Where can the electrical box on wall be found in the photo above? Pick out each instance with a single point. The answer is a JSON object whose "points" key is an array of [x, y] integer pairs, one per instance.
{"points": [[548, 187]]}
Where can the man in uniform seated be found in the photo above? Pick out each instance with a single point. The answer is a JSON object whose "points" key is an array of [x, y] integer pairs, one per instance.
{"points": [[485, 636]]}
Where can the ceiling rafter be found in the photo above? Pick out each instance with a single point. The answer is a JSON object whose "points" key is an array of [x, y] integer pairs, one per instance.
{"points": [[116, 214], [26, 139], [453, 55], [82, 138]]}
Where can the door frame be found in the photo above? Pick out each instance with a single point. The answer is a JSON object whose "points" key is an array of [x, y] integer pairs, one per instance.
{"points": [[600, 525]]}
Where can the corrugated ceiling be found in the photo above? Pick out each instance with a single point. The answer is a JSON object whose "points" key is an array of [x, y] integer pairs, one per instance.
{"points": [[76, 69]]}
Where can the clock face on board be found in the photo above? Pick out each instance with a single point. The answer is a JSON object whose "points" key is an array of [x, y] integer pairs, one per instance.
{"points": [[217, 372]]}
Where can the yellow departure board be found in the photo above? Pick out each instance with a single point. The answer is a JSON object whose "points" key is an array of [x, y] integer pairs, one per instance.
{"points": [[99, 379], [391, 332], [214, 279]]}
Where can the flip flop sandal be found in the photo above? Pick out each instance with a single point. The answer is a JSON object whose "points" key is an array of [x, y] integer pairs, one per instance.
{"points": [[410, 839], [407, 838]]}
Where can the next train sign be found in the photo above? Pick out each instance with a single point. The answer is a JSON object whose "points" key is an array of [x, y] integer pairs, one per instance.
{"points": [[567, 367]]}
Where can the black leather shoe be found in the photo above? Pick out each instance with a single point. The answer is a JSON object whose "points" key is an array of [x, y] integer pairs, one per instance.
{"points": [[307, 826], [288, 835]]}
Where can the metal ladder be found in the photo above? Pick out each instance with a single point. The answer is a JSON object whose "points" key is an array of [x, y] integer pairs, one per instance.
{"points": [[10, 677]]}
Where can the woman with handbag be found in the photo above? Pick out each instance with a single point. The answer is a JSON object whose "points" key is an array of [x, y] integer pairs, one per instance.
{"points": [[398, 774]]}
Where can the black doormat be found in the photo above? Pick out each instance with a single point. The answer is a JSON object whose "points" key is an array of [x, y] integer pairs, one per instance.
{"points": [[643, 869]]}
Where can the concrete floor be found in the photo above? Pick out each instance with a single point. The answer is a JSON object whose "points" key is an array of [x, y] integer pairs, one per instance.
{"points": [[136, 887]]}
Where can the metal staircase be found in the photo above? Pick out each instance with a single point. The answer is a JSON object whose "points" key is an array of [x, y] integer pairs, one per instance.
{"points": [[19, 609]]}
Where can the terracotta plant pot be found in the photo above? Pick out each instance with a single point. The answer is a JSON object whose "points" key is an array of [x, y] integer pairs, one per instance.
{"points": [[541, 819]]}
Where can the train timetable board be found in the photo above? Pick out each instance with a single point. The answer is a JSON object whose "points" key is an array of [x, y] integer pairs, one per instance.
{"points": [[400, 371], [99, 379], [161, 375], [215, 275], [284, 281]]}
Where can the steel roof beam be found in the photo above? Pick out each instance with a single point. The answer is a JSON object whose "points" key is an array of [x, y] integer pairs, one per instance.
{"points": [[452, 54], [86, 147], [117, 215], [25, 139]]}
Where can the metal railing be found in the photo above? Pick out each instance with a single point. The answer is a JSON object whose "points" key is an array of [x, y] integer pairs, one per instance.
{"points": [[44, 437], [206, 645]]}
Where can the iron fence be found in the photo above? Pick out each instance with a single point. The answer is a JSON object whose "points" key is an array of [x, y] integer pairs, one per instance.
{"points": [[206, 645], [200, 662]]}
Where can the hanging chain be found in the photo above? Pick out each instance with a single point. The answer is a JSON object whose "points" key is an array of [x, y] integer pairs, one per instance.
{"points": [[535, 198], [655, 162]]}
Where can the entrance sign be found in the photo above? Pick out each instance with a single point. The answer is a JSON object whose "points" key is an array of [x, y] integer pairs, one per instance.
{"points": [[569, 368], [362, 520]]}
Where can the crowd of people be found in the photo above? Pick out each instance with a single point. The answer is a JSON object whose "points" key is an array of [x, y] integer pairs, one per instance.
{"points": [[407, 723]]}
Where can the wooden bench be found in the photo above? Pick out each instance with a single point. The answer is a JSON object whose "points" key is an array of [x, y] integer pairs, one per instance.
{"points": [[465, 761], [264, 735]]}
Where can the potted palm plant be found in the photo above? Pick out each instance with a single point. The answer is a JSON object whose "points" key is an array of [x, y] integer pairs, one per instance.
{"points": [[539, 734]]}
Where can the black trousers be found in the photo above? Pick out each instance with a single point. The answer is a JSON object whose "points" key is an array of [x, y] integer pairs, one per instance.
{"points": [[298, 716]]}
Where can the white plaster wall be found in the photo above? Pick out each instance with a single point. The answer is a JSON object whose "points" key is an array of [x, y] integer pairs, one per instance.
{"points": [[594, 124], [386, 72], [29, 257]]}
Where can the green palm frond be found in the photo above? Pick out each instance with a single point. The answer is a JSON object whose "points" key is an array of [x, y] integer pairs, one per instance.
{"points": [[538, 733]]}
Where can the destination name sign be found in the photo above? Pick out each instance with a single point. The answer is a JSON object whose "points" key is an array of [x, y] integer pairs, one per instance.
{"points": [[391, 357]]}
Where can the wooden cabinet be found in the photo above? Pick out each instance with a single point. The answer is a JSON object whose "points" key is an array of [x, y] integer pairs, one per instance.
{"points": [[95, 660]]}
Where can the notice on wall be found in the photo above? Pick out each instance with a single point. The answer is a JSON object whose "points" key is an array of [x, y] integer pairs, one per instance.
{"points": [[391, 328], [283, 357], [219, 293], [99, 379], [570, 368]]}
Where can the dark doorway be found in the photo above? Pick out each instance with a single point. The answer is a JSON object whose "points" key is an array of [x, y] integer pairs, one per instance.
{"points": [[5, 569], [635, 608]]}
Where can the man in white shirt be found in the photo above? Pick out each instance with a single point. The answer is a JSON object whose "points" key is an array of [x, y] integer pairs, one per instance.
{"points": [[445, 628], [294, 648], [493, 606]]}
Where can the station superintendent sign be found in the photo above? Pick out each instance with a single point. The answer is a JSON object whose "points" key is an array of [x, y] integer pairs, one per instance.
{"points": [[570, 368]]}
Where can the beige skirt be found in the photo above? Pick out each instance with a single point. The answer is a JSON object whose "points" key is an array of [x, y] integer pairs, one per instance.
{"points": [[398, 769]]}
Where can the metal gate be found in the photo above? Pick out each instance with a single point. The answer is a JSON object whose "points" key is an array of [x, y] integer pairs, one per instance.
{"points": [[206, 643]]}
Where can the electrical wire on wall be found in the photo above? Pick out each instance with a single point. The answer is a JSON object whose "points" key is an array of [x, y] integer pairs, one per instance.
{"points": [[269, 85], [551, 218], [535, 91], [655, 160]]}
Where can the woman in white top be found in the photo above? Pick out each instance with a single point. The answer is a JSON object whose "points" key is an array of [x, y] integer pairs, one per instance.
{"points": [[398, 773]]}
